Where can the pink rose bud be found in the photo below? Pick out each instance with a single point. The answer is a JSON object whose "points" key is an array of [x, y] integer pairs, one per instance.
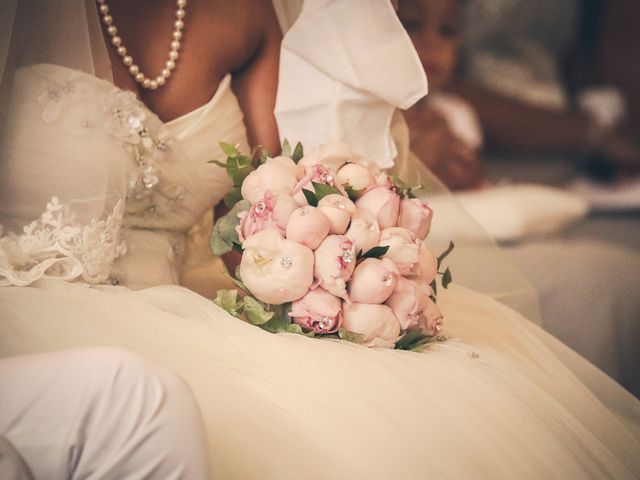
{"points": [[269, 212], [276, 270], [364, 231], [376, 323], [297, 170], [331, 155], [338, 210], [335, 260], [318, 311], [382, 203], [373, 281], [273, 176], [427, 266], [409, 302], [308, 226], [404, 248], [355, 176], [431, 320], [415, 216], [315, 174]]}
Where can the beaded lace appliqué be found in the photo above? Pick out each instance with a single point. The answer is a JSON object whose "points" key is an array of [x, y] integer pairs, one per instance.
{"points": [[57, 246]]}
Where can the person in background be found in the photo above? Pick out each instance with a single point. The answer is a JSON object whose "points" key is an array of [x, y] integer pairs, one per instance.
{"points": [[445, 132], [501, 101]]}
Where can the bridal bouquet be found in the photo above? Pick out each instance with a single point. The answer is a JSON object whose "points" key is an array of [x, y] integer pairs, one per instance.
{"points": [[331, 246]]}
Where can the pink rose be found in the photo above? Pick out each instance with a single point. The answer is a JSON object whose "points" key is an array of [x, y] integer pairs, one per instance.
{"points": [[404, 248], [335, 260], [373, 281], [331, 155], [318, 311], [338, 210], [297, 170], [415, 216], [409, 302], [273, 176], [315, 174], [276, 270], [382, 203], [269, 212], [308, 226], [356, 176], [364, 231], [376, 323], [431, 320], [427, 267]]}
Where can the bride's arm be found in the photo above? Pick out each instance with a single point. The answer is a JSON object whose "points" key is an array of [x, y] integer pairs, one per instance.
{"points": [[256, 82]]}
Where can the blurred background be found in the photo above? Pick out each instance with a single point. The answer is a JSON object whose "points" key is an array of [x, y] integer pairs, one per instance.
{"points": [[533, 118]]}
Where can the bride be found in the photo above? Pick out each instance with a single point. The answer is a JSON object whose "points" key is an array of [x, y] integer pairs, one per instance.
{"points": [[99, 188]]}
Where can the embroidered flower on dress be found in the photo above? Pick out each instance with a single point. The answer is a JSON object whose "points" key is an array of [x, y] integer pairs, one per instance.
{"points": [[57, 245]]}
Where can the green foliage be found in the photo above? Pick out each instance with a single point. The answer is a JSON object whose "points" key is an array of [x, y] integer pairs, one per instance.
{"points": [[412, 339], [224, 236], [280, 322], [255, 312], [352, 192], [348, 336], [446, 253], [322, 190], [312, 198], [286, 148], [298, 153], [446, 278], [375, 252], [228, 300]]}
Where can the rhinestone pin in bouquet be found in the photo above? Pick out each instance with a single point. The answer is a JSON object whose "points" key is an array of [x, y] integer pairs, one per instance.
{"points": [[331, 247]]}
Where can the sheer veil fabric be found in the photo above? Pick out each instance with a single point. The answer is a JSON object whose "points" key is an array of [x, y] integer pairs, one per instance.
{"points": [[500, 399]]}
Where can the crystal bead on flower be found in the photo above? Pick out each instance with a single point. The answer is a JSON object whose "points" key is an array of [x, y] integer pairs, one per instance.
{"points": [[286, 262], [387, 279], [260, 207], [347, 257]]}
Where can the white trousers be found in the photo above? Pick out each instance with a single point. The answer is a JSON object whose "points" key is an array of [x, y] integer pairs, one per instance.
{"points": [[97, 413]]}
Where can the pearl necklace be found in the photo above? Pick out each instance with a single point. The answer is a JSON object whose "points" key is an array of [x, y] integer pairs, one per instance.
{"points": [[127, 60]]}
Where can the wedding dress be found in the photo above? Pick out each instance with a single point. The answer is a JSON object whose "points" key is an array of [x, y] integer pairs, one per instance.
{"points": [[107, 193]]}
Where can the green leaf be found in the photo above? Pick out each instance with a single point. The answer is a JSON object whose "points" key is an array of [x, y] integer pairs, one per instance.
{"points": [[233, 197], [239, 284], [444, 254], [218, 163], [298, 153], [352, 192], [411, 339], [446, 278], [255, 312], [228, 300], [286, 148], [311, 197], [280, 321], [376, 252], [238, 168], [398, 182], [322, 190], [229, 150], [434, 287], [224, 235], [352, 337]]}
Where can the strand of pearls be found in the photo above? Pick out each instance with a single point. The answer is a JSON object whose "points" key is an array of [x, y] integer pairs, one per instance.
{"points": [[127, 60]]}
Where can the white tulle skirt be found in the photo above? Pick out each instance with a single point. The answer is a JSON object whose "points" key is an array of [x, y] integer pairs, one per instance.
{"points": [[500, 399]]}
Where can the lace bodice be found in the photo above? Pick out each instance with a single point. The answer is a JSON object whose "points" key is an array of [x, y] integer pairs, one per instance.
{"points": [[96, 188]]}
